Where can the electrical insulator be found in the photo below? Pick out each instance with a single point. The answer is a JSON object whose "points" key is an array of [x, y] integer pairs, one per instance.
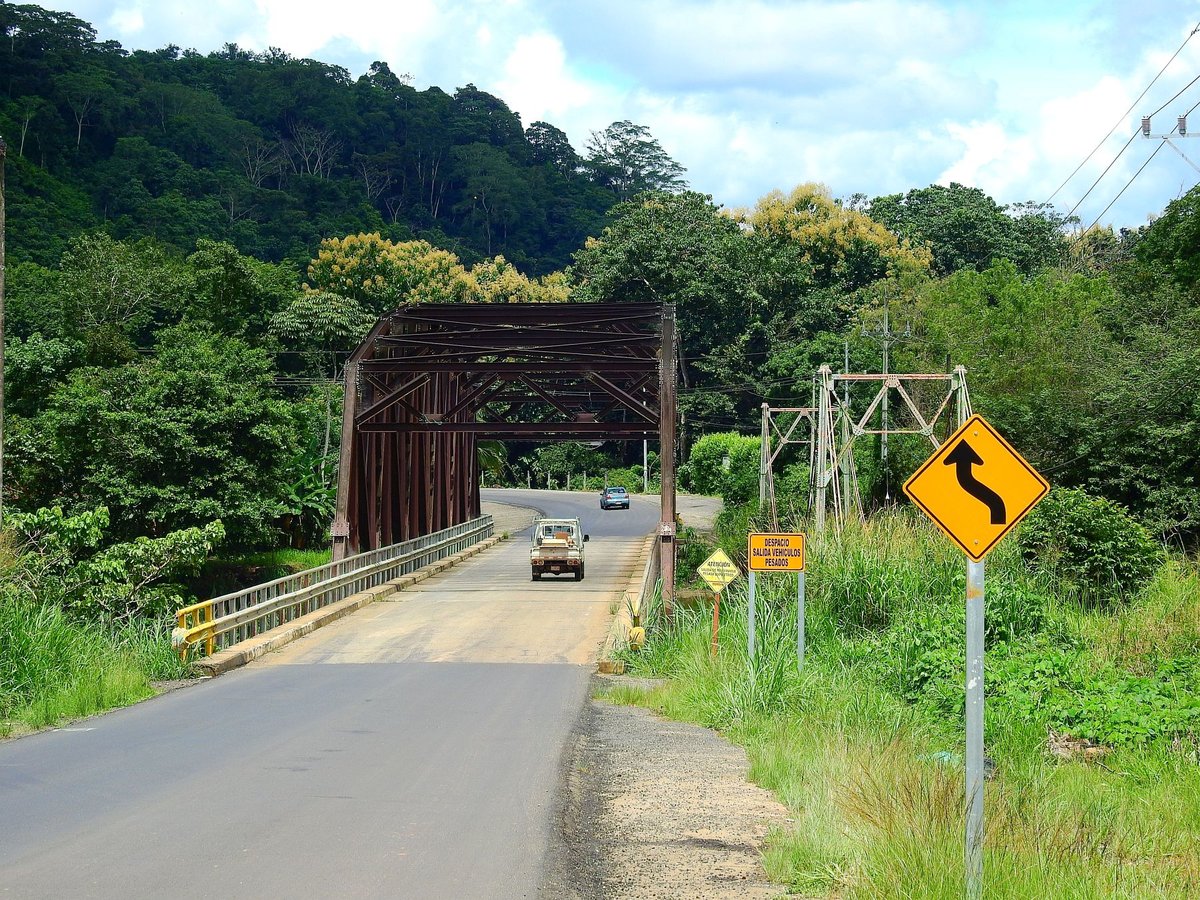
{"points": [[1146, 126], [1182, 125]]}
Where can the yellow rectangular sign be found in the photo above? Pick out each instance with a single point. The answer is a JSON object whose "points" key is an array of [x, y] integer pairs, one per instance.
{"points": [[776, 552]]}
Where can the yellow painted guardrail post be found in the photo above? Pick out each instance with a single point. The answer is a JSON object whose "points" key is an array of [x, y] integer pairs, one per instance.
{"points": [[184, 635]]}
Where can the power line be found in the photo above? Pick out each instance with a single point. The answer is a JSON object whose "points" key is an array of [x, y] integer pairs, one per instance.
{"points": [[1102, 174], [1131, 181], [1124, 114], [1176, 97]]}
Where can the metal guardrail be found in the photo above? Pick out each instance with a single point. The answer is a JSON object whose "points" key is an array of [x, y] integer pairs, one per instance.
{"points": [[221, 622]]}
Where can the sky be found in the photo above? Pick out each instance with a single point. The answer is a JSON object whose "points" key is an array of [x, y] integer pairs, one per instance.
{"points": [[864, 96]]}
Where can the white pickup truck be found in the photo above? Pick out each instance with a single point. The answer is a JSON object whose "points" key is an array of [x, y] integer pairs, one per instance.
{"points": [[557, 547]]}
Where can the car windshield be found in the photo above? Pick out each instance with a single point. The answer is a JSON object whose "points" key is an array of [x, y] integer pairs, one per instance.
{"points": [[616, 490]]}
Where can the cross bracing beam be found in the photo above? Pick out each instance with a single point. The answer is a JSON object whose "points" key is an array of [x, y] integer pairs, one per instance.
{"points": [[432, 380]]}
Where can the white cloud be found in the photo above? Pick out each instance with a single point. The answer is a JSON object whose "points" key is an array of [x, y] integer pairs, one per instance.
{"points": [[387, 30], [127, 20], [538, 84], [991, 159]]}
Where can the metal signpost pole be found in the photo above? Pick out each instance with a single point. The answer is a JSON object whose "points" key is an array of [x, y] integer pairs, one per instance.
{"points": [[975, 513], [974, 836], [750, 619], [800, 619], [716, 622]]}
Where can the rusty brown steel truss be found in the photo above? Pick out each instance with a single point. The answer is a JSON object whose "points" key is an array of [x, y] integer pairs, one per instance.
{"points": [[432, 380]]}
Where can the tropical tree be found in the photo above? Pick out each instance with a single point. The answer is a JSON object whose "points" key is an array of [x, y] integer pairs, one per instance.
{"points": [[380, 275], [191, 434], [323, 323], [965, 228], [498, 281], [627, 159], [842, 246]]}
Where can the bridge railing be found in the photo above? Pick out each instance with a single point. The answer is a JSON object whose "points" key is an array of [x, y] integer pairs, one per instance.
{"points": [[212, 625]]}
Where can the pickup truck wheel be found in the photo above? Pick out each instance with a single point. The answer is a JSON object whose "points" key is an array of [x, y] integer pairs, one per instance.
{"points": [[579, 574], [537, 576]]}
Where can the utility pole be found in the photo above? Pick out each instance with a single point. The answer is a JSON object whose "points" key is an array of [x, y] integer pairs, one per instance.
{"points": [[764, 460], [886, 337], [1179, 131]]}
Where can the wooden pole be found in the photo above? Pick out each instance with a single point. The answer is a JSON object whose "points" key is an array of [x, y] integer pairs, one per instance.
{"points": [[667, 413], [716, 622]]}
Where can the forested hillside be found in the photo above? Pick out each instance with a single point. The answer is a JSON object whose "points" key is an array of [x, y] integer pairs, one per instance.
{"points": [[272, 153]]}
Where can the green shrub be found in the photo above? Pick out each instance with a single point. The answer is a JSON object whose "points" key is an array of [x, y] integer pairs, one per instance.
{"points": [[792, 482], [630, 479], [693, 550], [1091, 544], [1016, 610], [1062, 689], [707, 472], [925, 648]]}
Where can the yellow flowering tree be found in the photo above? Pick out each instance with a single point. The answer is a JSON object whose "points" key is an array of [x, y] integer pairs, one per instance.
{"points": [[843, 246], [498, 281], [381, 274]]}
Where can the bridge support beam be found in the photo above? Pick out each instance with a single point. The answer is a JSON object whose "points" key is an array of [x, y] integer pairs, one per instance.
{"points": [[432, 380], [666, 425]]}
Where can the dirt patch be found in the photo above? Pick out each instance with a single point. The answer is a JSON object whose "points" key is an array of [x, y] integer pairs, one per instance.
{"points": [[174, 684], [659, 809], [506, 517]]}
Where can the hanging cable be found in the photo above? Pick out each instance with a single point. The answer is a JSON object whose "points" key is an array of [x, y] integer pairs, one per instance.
{"points": [[1102, 174], [1131, 181], [1126, 113], [1178, 94]]}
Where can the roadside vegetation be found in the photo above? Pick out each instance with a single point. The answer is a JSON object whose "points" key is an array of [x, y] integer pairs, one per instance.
{"points": [[192, 260], [1093, 706], [83, 630]]}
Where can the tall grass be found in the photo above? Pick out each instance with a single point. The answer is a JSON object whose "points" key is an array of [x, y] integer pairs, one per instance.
{"points": [[873, 777], [53, 668]]}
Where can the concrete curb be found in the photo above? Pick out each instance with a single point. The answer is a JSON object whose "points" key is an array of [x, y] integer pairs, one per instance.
{"points": [[248, 650], [618, 632]]}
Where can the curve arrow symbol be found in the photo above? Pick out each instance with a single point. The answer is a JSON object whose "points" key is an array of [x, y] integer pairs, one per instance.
{"points": [[964, 458]]}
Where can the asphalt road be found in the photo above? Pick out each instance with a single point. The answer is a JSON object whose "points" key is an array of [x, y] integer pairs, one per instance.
{"points": [[410, 750]]}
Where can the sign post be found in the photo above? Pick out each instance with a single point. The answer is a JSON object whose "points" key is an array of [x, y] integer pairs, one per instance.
{"points": [[717, 571], [770, 552], [751, 576], [800, 620], [975, 512]]}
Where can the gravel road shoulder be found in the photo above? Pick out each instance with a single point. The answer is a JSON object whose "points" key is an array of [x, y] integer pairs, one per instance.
{"points": [[658, 809]]}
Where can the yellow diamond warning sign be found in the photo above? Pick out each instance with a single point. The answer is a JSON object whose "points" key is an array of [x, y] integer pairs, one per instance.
{"points": [[976, 487], [775, 552], [718, 570]]}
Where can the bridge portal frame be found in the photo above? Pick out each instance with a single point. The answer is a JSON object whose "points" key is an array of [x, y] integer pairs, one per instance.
{"points": [[432, 380]]}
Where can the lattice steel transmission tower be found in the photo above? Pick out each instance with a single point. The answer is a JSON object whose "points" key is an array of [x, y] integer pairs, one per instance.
{"points": [[834, 479]]}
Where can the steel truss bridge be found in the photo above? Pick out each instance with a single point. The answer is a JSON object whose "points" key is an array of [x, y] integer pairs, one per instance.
{"points": [[432, 380]]}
